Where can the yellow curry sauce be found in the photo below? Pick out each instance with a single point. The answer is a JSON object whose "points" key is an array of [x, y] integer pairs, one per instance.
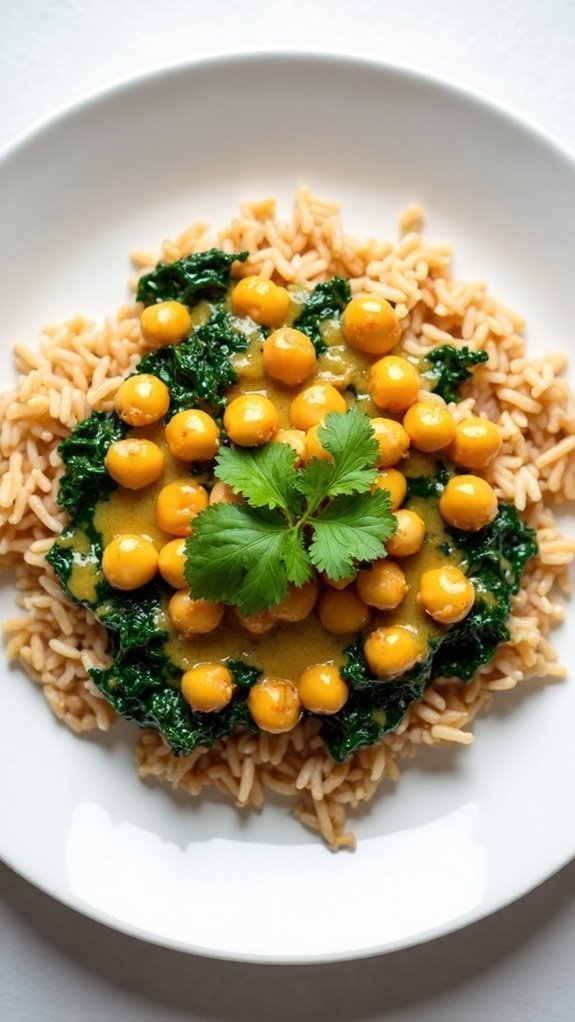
{"points": [[289, 648]]}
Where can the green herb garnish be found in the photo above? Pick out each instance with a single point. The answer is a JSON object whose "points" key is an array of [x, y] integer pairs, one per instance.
{"points": [[327, 301], [204, 276], [295, 520], [450, 367]]}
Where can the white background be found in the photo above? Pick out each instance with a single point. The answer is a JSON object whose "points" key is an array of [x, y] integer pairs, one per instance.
{"points": [[516, 965]]}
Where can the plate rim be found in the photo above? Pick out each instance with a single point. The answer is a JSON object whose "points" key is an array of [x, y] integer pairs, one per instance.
{"points": [[442, 85]]}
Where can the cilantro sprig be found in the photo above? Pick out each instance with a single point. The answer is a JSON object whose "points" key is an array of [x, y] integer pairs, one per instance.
{"points": [[323, 516]]}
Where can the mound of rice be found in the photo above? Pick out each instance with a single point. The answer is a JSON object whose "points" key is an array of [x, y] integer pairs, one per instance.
{"points": [[78, 367]]}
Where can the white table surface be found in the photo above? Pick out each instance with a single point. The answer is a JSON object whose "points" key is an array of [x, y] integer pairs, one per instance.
{"points": [[517, 965]]}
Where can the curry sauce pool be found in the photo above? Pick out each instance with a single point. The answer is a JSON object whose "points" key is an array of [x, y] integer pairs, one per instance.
{"points": [[57, 642]]}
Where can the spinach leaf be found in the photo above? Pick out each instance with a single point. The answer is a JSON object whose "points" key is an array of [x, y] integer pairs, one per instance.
{"points": [[200, 369], [450, 367], [326, 301], [134, 616], [86, 478], [375, 707], [142, 687], [494, 559], [202, 276]]}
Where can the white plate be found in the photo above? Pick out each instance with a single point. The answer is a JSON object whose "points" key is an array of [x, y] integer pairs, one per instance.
{"points": [[466, 830]]}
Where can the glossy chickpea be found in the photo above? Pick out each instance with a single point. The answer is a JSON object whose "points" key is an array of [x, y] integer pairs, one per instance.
{"points": [[274, 705], [383, 585], [129, 562], [393, 383], [296, 440], [322, 689], [257, 624], [392, 439], [390, 651], [395, 483], [165, 323], [446, 594], [297, 604], [371, 324], [251, 420], [193, 617], [207, 688], [262, 300], [312, 405], [468, 503], [430, 426], [177, 504], [339, 583], [409, 536], [476, 442], [171, 563], [289, 356], [142, 400], [221, 493], [192, 435], [313, 446], [341, 612], [134, 462]]}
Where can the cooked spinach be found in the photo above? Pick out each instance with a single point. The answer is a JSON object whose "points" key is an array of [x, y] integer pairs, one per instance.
{"points": [[494, 559], [199, 369], [204, 276], [327, 301], [450, 367], [86, 477]]}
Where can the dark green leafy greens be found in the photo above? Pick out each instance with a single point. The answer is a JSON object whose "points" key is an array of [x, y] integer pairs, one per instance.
{"points": [[327, 301], [200, 369], [86, 477], [204, 276], [450, 367]]}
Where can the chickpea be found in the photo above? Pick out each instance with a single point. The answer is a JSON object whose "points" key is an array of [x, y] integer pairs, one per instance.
{"points": [[446, 594], [193, 617], [192, 435], [383, 585], [262, 300], [390, 651], [341, 612], [251, 420], [207, 688], [430, 426], [312, 405], [129, 562], [409, 535], [371, 324], [476, 442], [176, 505], [392, 439], [296, 440], [339, 584], [221, 493], [289, 356], [393, 383], [468, 503], [395, 483], [322, 689], [257, 624], [274, 705], [165, 323], [171, 563], [142, 400], [134, 462], [313, 447], [297, 604]]}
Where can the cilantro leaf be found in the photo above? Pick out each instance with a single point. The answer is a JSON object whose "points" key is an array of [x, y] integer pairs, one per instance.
{"points": [[297, 562], [238, 555], [351, 529], [349, 438], [265, 476]]}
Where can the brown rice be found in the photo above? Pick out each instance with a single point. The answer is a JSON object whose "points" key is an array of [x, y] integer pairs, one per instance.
{"points": [[78, 367]]}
